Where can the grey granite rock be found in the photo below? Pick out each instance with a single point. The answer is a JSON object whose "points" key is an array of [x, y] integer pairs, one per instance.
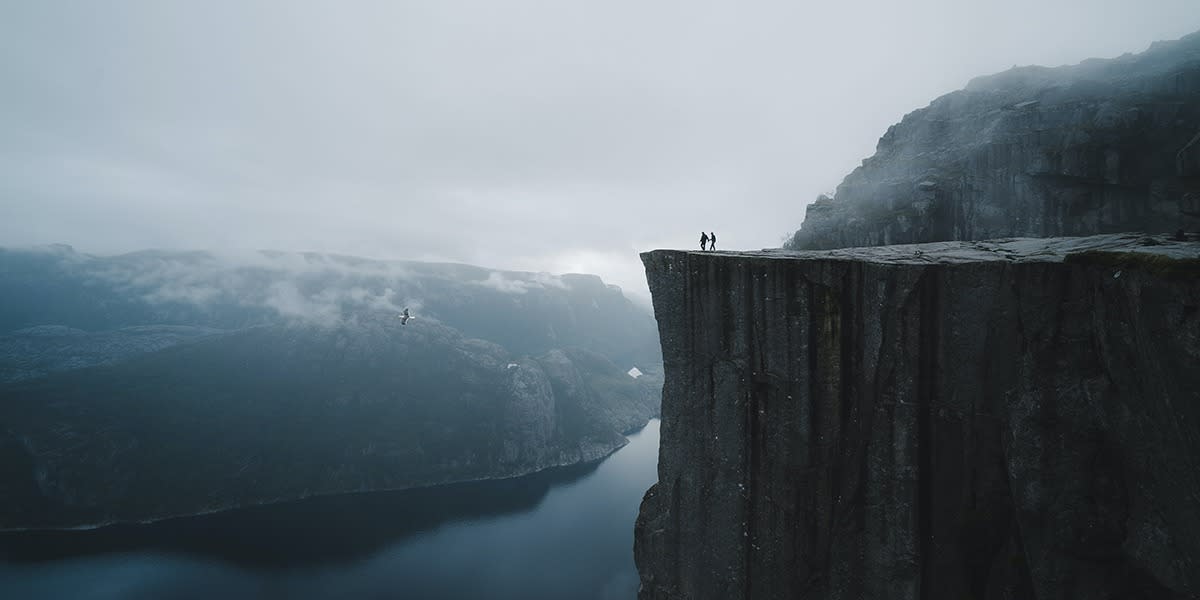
{"points": [[1100, 147], [1008, 419]]}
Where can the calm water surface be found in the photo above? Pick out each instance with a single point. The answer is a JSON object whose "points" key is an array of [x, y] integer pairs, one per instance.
{"points": [[565, 534]]}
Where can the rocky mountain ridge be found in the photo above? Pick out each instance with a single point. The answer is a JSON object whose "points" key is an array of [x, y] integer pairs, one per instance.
{"points": [[1104, 146], [209, 385]]}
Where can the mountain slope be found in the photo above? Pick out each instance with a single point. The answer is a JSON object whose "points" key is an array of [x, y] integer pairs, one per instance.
{"points": [[310, 386], [1100, 147]]}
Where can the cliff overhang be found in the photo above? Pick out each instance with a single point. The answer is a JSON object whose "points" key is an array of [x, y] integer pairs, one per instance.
{"points": [[1009, 418]]}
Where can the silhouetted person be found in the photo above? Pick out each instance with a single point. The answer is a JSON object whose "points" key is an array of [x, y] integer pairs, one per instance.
{"points": [[703, 240], [1180, 236], [712, 241]]}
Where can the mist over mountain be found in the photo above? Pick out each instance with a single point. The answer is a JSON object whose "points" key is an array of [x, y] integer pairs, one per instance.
{"points": [[1104, 146], [156, 384], [527, 312]]}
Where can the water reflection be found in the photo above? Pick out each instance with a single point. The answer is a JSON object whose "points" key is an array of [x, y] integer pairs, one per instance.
{"points": [[315, 531], [563, 534]]}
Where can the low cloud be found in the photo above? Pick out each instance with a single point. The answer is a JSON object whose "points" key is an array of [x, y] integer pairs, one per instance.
{"points": [[314, 288], [510, 284], [529, 135], [319, 289]]}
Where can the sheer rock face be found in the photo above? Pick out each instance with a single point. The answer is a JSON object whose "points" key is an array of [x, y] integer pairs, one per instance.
{"points": [[1100, 147], [1008, 419]]}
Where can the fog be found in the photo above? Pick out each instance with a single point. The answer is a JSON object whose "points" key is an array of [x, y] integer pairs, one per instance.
{"points": [[310, 289], [313, 289], [555, 135]]}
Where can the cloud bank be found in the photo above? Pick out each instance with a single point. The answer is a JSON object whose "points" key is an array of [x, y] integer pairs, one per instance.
{"points": [[529, 135]]}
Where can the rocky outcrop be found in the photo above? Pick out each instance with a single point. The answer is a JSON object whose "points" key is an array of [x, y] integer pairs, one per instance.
{"points": [[1008, 419], [1100, 147]]}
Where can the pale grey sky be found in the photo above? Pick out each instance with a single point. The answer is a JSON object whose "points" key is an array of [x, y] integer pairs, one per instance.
{"points": [[552, 135]]}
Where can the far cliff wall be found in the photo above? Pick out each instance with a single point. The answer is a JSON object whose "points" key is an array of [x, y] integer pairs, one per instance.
{"points": [[947, 421], [1100, 147]]}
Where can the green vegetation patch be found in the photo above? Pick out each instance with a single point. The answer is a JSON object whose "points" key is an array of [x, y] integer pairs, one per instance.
{"points": [[1156, 264]]}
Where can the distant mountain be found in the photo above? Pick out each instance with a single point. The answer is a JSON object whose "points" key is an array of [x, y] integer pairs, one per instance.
{"points": [[525, 312], [156, 384], [38, 351]]}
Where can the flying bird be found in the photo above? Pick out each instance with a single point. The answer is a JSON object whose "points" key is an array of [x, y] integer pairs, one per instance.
{"points": [[405, 317]]}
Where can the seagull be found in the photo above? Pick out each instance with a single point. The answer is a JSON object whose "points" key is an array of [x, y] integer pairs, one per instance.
{"points": [[404, 317]]}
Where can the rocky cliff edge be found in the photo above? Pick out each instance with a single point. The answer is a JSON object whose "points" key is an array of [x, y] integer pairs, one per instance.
{"points": [[1007, 419]]}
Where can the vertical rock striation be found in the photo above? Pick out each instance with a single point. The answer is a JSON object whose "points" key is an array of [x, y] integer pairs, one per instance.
{"points": [[1011, 419], [1099, 147]]}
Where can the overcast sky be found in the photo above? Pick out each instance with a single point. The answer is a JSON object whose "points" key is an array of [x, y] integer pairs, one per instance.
{"points": [[552, 135]]}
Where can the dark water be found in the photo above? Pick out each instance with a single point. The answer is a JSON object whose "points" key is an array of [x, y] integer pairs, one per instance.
{"points": [[564, 534]]}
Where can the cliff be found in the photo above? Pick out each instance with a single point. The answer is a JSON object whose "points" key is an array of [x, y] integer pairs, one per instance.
{"points": [[1100, 147], [1007, 419]]}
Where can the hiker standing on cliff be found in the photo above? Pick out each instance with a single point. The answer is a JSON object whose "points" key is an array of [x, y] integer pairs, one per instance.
{"points": [[703, 240], [712, 241]]}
